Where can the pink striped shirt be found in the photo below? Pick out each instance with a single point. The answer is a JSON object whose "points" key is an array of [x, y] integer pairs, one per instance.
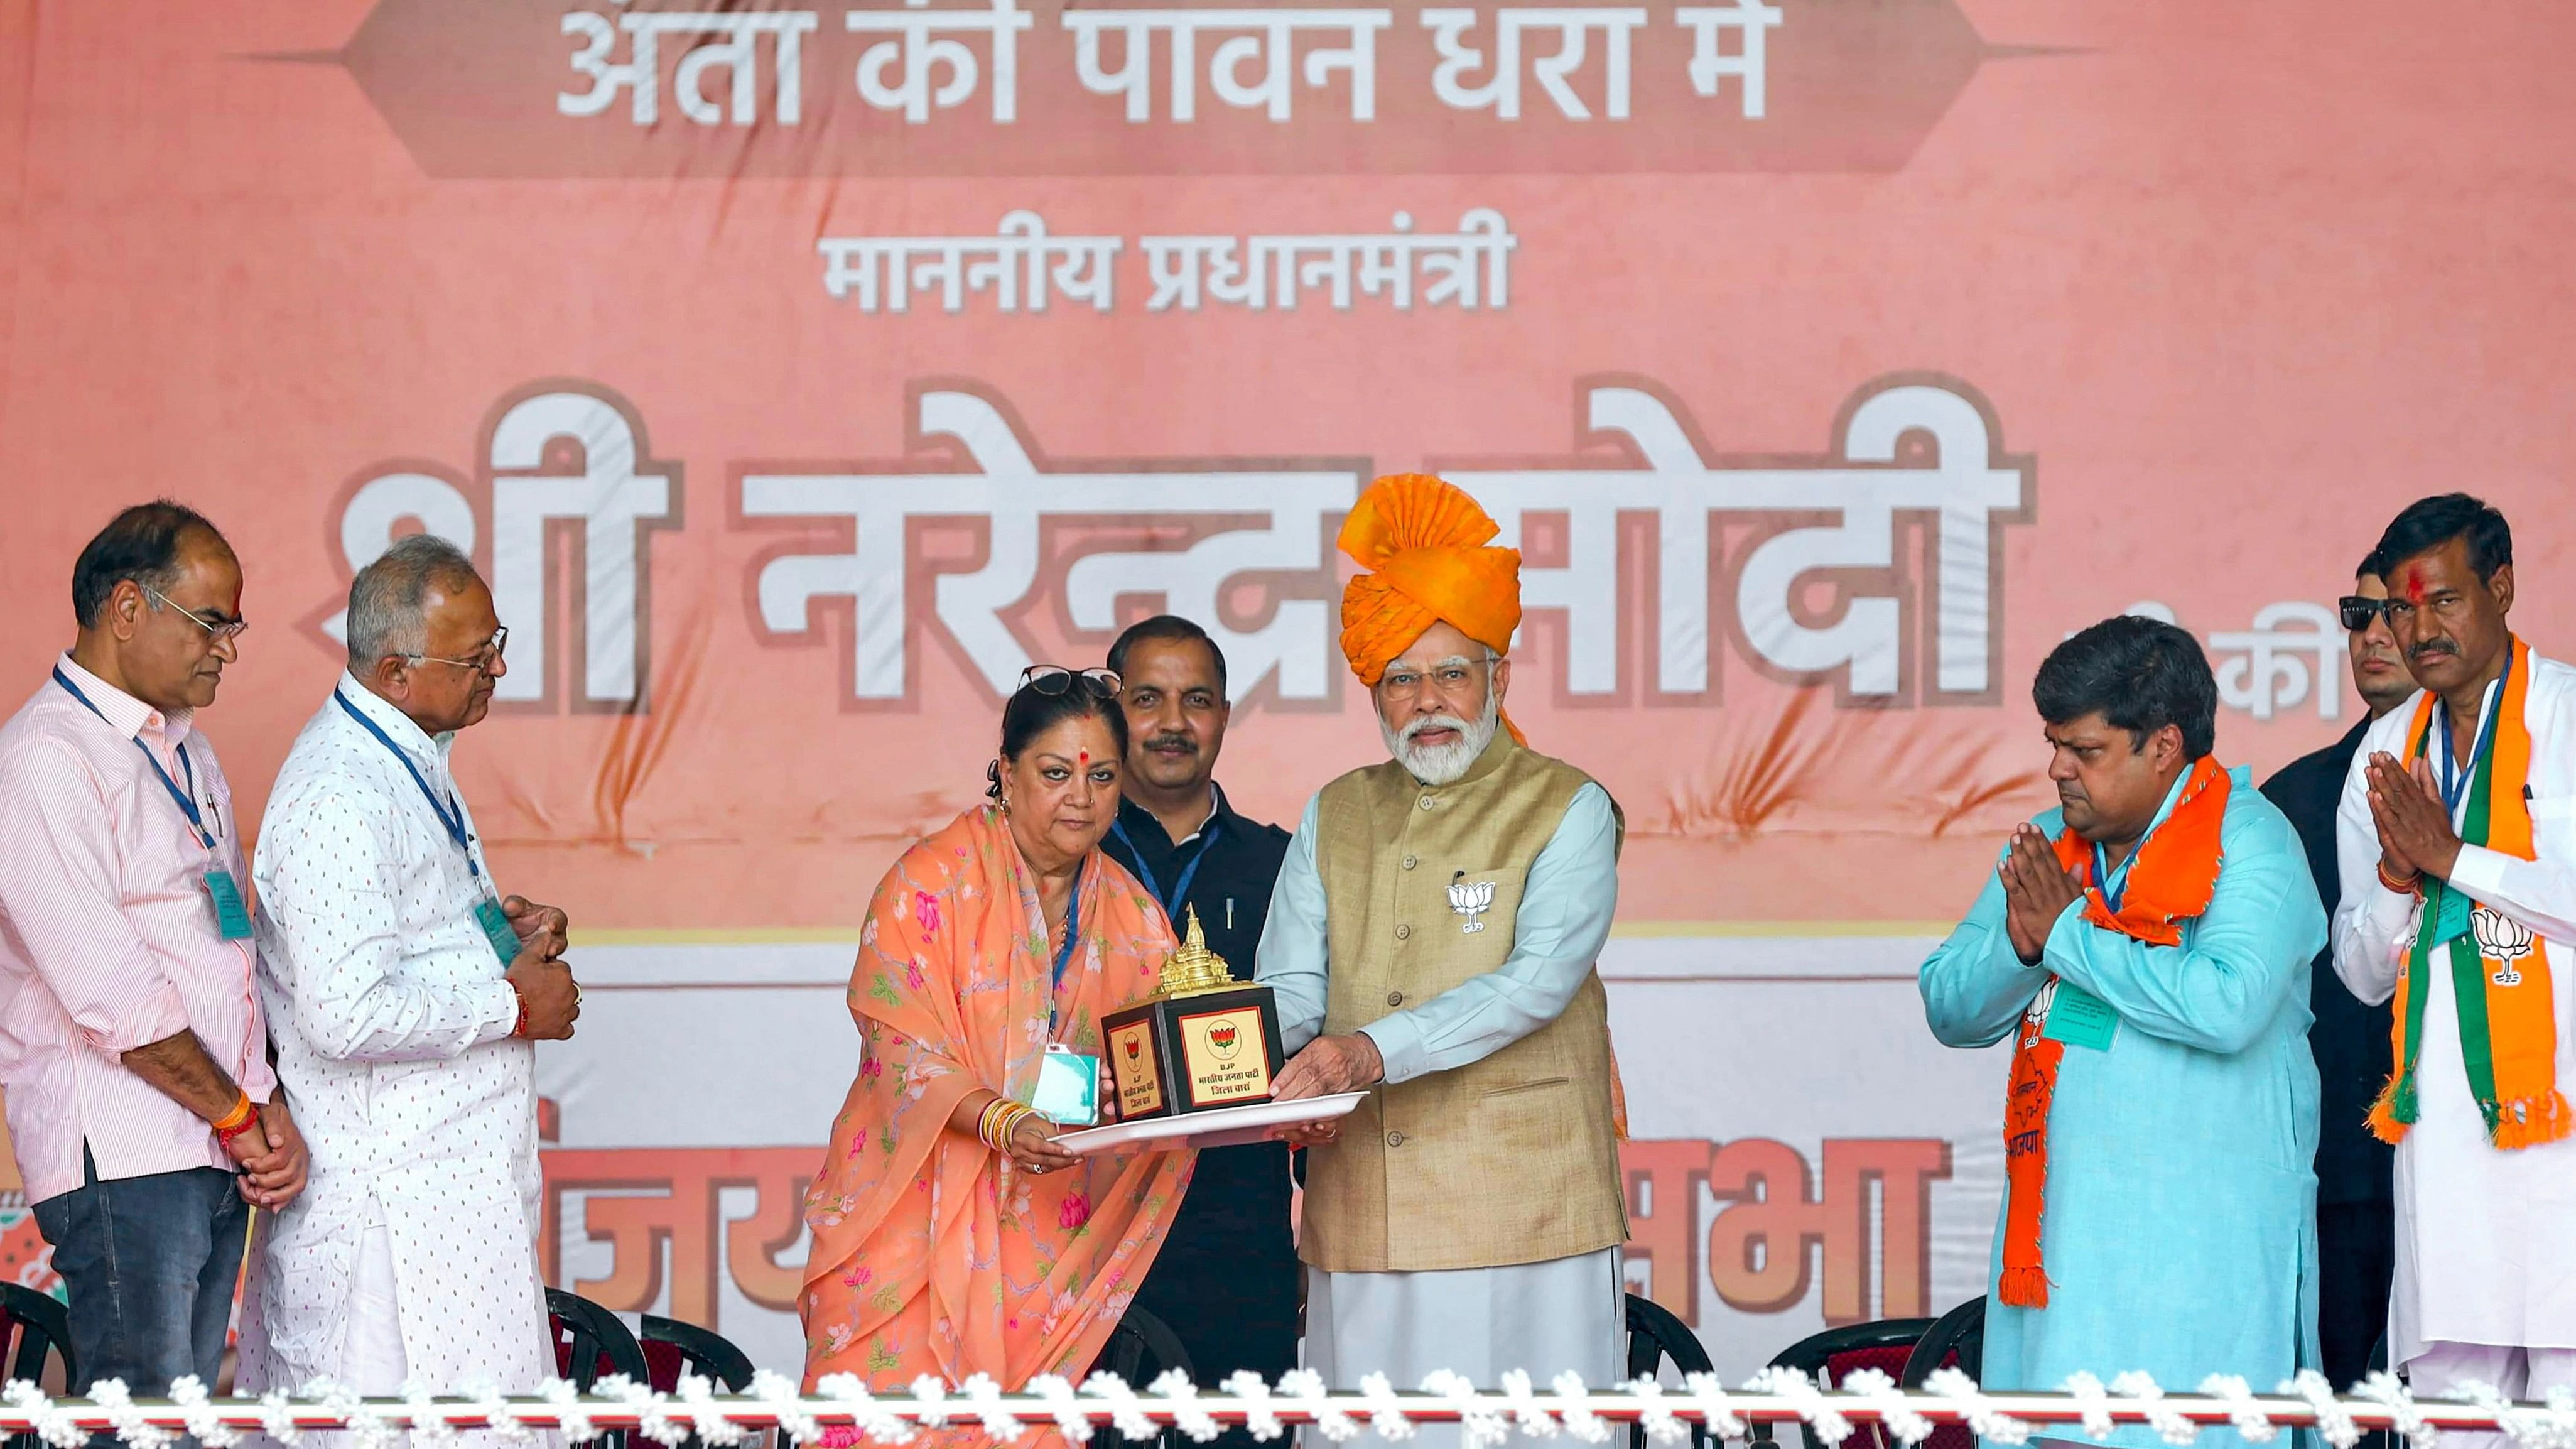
{"points": [[108, 940]]}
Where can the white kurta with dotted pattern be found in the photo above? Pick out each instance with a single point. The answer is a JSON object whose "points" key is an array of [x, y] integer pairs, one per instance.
{"points": [[392, 1024]]}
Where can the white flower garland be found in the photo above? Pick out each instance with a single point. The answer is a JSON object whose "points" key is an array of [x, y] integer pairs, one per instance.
{"points": [[1488, 1417]]}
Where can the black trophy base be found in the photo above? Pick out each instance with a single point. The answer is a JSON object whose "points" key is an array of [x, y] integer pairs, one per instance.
{"points": [[1193, 1053]]}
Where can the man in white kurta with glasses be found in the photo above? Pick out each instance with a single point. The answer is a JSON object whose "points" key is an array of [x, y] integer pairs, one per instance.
{"points": [[404, 991]]}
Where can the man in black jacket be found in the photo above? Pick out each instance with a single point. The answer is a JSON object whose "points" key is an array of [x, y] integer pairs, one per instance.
{"points": [[1226, 1281], [2356, 1226]]}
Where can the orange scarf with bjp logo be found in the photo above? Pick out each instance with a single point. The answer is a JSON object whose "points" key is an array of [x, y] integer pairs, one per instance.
{"points": [[2499, 967], [2170, 882]]}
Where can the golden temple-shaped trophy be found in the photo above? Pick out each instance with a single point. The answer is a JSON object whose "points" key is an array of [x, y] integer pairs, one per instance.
{"points": [[1204, 1041]]}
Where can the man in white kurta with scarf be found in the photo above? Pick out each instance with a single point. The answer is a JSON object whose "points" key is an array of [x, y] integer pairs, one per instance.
{"points": [[404, 993], [2456, 841], [1432, 941]]}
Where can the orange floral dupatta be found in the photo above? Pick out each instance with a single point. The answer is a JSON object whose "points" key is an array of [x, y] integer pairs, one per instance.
{"points": [[933, 1254]]}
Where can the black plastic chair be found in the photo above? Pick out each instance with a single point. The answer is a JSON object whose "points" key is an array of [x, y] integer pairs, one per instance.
{"points": [[1654, 1335], [1824, 1358], [33, 1328], [1141, 1349], [591, 1344], [672, 1348], [1959, 1335]]}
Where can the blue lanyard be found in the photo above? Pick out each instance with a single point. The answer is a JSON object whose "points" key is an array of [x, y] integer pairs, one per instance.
{"points": [[450, 814], [1072, 932], [2102, 872], [2454, 778], [187, 798], [1172, 903]]}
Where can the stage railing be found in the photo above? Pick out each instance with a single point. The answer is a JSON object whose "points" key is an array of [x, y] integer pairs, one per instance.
{"points": [[2084, 1408]]}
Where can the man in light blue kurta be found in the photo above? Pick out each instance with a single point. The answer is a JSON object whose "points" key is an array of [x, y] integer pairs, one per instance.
{"points": [[2179, 1223]]}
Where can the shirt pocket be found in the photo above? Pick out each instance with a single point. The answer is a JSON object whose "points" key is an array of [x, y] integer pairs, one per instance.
{"points": [[1483, 900]]}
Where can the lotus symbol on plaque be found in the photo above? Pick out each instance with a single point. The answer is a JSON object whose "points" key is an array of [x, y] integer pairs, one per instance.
{"points": [[1225, 1039], [2501, 938], [1471, 899]]}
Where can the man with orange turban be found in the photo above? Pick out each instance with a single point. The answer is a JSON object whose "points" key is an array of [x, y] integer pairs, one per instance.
{"points": [[1432, 943]]}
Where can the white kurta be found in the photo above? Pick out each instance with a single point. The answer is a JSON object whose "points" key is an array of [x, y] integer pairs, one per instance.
{"points": [[2486, 1239], [1541, 1318], [392, 1026]]}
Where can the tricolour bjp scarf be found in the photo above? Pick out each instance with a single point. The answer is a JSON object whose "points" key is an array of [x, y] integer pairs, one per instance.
{"points": [[2499, 966], [2171, 881]]}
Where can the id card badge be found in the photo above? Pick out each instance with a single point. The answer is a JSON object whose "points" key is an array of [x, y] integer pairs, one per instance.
{"points": [[232, 918], [2079, 1018], [497, 929], [1068, 1088]]}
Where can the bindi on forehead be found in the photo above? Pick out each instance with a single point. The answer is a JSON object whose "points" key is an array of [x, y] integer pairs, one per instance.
{"points": [[1084, 758]]}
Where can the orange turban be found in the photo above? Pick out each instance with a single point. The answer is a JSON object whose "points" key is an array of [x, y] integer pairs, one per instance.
{"points": [[1423, 542]]}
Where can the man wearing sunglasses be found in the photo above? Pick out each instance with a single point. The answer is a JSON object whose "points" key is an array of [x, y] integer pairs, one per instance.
{"points": [[2456, 839], [2356, 1232], [146, 1120], [408, 992]]}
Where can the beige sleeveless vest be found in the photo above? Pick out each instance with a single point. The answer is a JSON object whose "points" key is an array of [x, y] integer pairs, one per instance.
{"points": [[1508, 1160]]}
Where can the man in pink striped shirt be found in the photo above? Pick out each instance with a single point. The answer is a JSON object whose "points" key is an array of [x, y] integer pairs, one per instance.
{"points": [[145, 1115]]}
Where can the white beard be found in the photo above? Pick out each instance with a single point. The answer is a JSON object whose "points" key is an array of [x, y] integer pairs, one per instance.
{"points": [[1442, 764]]}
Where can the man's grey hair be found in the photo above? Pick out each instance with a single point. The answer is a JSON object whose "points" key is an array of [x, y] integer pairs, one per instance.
{"points": [[389, 599]]}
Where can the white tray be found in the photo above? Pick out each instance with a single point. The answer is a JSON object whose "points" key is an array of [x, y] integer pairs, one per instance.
{"points": [[1224, 1127]]}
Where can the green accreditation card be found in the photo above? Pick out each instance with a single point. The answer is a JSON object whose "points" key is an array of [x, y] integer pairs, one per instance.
{"points": [[1068, 1088], [2077, 1017], [497, 929], [232, 918]]}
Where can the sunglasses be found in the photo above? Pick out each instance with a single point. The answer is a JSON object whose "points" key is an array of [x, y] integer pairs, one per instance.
{"points": [[1055, 679], [2358, 612]]}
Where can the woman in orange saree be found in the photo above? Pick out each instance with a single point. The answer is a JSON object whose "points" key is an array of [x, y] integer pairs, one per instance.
{"points": [[1003, 933]]}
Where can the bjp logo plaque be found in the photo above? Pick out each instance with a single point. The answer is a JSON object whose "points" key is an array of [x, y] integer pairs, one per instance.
{"points": [[1204, 1041]]}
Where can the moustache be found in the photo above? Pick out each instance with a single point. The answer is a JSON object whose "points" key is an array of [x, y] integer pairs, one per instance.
{"points": [[1173, 742], [2432, 647], [1434, 722]]}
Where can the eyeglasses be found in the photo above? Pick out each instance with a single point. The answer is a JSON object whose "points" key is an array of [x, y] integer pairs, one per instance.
{"points": [[1449, 677], [484, 658], [2358, 611], [223, 633], [1055, 679]]}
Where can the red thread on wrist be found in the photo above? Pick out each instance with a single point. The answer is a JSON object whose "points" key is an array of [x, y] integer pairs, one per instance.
{"points": [[234, 1123], [2402, 885], [520, 1027]]}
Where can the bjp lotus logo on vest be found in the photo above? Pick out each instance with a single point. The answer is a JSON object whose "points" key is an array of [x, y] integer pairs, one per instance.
{"points": [[1225, 1039], [1471, 899], [2503, 940]]}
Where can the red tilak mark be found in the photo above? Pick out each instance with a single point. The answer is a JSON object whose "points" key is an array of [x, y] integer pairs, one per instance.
{"points": [[2415, 585]]}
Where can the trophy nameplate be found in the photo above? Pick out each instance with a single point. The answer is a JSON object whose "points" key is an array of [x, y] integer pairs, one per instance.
{"points": [[1203, 1042]]}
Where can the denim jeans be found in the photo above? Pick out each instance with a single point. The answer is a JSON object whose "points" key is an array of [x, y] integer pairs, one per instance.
{"points": [[149, 1264]]}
